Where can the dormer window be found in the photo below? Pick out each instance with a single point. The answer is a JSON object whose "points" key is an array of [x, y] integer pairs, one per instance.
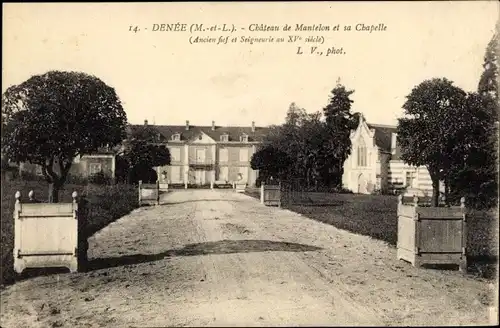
{"points": [[176, 137], [224, 138], [244, 138]]}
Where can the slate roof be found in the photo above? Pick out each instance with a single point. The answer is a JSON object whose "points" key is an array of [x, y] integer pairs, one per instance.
{"points": [[383, 138], [234, 132]]}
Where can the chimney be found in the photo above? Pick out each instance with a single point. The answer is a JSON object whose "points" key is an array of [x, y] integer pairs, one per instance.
{"points": [[253, 126], [393, 142], [213, 125], [145, 122], [187, 125]]}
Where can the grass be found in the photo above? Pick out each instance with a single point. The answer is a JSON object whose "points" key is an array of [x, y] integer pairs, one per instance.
{"points": [[104, 205], [376, 216]]}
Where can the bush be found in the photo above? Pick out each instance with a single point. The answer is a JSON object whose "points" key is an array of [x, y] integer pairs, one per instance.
{"points": [[100, 179], [28, 176], [77, 179], [342, 190]]}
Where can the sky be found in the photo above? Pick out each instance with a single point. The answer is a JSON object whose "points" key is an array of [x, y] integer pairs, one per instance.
{"points": [[161, 77]]}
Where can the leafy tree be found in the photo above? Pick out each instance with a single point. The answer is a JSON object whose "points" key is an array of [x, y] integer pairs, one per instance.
{"points": [[271, 163], [340, 121], [311, 151], [53, 117], [142, 152], [434, 116], [295, 115], [474, 173]]}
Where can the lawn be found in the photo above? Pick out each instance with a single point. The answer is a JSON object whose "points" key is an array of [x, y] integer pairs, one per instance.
{"points": [[105, 204], [376, 216]]}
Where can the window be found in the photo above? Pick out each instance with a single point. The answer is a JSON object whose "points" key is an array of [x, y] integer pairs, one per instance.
{"points": [[200, 155], [361, 153], [394, 139], [175, 154], [244, 155], [175, 174], [410, 179], [223, 155], [244, 138], [176, 137], [224, 138], [95, 168]]}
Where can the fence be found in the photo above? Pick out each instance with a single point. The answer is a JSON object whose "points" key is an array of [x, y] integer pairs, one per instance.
{"points": [[46, 235], [149, 194], [294, 192], [297, 192], [432, 235]]}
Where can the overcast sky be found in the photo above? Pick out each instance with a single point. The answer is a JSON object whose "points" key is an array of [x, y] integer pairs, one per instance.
{"points": [[159, 76]]}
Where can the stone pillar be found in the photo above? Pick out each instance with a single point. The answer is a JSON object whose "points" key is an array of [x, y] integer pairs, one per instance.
{"points": [[262, 193]]}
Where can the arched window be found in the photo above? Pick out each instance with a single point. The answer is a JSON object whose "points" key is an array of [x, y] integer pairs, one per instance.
{"points": [[361, 153]]}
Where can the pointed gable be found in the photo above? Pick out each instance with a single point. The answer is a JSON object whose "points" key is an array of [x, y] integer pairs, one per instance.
{"points": [[382, 136], [201, 138]]}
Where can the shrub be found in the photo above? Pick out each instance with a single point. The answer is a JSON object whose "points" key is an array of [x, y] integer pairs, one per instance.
{"points": [[100, 179], [77, 179], [28, 176]]}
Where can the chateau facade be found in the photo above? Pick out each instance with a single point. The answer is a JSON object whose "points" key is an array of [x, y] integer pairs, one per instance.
{"points": [[201, 155]]}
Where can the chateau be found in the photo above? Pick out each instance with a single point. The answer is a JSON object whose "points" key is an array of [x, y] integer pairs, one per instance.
{"points": [[204, 154]]}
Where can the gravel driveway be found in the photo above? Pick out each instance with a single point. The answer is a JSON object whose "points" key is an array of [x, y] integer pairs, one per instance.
{"points": [[217, 258]]}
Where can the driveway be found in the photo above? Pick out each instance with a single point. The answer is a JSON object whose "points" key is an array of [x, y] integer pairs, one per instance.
{"points": [[218, 258]]}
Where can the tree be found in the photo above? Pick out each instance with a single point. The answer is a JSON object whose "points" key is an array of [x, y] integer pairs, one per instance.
{"points": [[54, 117], [340, 121], [271, 163], [295, 115], [434, 116], [474, 173], [143, 151], [488, 83]]}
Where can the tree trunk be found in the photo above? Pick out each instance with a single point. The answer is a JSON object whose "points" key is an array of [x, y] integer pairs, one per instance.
{"points": [[447, 191], [435, 192], [54, 192]]}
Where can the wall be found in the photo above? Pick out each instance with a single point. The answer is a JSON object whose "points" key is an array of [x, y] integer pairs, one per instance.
{"points": [[80, 167], [83, 168], [397, 173]]}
